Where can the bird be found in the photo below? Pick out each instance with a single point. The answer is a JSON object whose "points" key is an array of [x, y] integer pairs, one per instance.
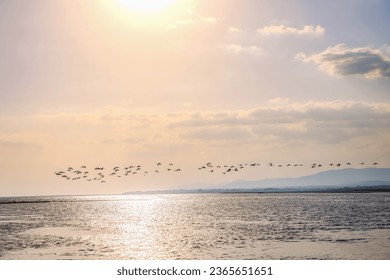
{"points": [[71, 173]]}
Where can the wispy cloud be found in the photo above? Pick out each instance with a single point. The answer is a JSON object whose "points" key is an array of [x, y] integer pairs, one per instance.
{"points": [[218, 133], [321, 122], [284, 120], [283, 30], [191, 21], [209, 19], [22, 141], [180, 23], [233, 29], [279, 117], [241, 49], [342, 60]]}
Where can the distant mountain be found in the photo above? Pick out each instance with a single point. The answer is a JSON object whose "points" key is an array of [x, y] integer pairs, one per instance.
{"points": [[349, 177]]}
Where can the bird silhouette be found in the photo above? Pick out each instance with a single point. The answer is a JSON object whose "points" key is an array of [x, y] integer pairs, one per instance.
{"points": [[98, 173]]}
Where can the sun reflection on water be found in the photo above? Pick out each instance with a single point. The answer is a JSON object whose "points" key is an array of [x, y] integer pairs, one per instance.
{"points": [[199, 227]]}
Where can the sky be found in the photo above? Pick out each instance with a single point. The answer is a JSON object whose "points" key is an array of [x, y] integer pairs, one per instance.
{"points": [[106, 83]]}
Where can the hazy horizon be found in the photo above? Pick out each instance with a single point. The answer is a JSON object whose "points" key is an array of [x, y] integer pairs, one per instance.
{"points": [[116, 83]]}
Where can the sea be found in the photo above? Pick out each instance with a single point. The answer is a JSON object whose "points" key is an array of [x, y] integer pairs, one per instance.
{"points": [[223, 226]]}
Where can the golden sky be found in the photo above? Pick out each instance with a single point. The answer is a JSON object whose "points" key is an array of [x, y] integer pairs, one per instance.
{"points": [[123, 82]]}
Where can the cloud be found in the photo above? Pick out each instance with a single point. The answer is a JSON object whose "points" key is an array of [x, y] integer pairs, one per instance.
{"points": [[278, 101], [8, 144], [15, 144], [233, 29], [218, 133], [279, 119], [191, 21], [179, 23], [283, 30], [321, 122], [209, 19], [241, 49], [342, 60], [386, 49]]}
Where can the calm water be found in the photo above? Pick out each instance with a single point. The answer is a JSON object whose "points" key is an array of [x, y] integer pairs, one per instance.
{"points": [[197, 226]]}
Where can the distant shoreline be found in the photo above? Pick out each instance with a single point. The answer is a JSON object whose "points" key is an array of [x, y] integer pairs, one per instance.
{"points": [[358, 189], [330, 191]]}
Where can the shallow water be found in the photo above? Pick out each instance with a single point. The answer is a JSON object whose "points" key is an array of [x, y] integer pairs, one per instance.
{"points": [[197, 226]]}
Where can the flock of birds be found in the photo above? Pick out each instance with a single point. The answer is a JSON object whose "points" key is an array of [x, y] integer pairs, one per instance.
{"points": [[102, 174]]}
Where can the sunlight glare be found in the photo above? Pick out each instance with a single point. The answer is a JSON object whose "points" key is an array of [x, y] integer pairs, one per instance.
{"points": [[147, 6]]}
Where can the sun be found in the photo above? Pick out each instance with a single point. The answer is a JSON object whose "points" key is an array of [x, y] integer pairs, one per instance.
{"points": [[147, 6]]}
